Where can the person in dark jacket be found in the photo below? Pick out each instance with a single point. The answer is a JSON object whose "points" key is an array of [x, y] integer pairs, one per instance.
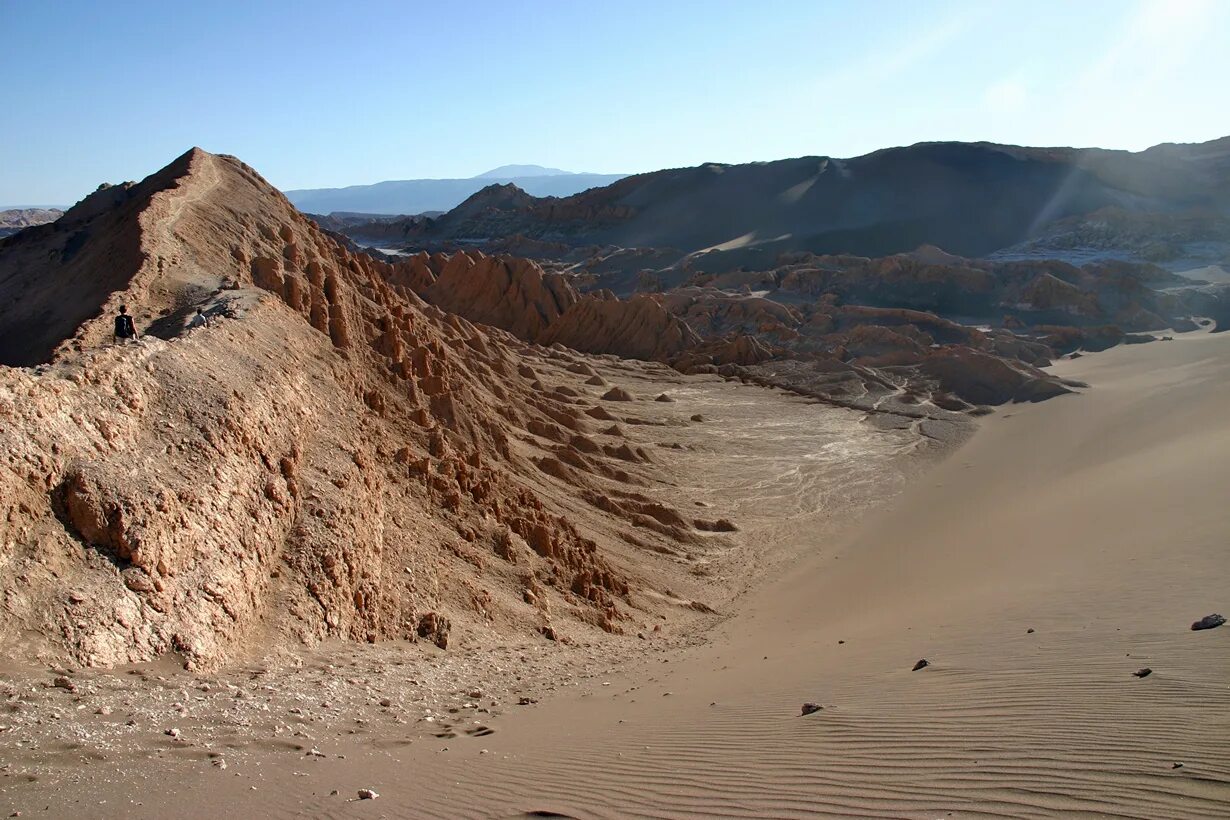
{"points": [[124, 328]]}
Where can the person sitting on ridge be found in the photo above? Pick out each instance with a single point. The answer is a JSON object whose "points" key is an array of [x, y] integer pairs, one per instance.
{"points": [[199, 320], [124, 328]]}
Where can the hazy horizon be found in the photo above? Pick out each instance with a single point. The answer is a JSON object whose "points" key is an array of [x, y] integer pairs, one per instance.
{"points": [[314, 99]]}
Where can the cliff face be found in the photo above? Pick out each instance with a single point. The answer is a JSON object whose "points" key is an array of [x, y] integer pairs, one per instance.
{"points": [[638, 328], [331, 457], [513, 294], [543, 307]]}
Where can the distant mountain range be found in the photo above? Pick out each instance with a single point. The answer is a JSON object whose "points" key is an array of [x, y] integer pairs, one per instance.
{"points": [[13, 220], [416, 196], [973, 199]]}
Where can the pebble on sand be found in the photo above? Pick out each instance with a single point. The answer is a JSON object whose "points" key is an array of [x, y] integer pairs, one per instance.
{"points": [[1143, 673], [368, 794], [922, 664], [809, 708]]}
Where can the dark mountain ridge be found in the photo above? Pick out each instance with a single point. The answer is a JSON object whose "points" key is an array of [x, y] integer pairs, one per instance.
{"points": [[970, 198]]}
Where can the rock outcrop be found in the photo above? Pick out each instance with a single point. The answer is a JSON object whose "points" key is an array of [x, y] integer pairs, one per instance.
{"points": [[506, 292], [636, 328], [984, 379], [542, 307]]}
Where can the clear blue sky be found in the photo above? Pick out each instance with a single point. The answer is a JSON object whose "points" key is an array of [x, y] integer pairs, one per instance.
{"points": [[316, 94]]}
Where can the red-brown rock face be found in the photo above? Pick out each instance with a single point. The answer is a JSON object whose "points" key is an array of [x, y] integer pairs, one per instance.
{"points": [[636, 328], [509, 293]]}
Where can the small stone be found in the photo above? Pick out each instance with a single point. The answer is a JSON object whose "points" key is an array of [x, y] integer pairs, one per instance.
{"points": [[103, 710], [64, 682], [809, 708], [476, 693], [1143, 673], [368, 794], [314, 752], [1208, 622], [922, 664], [334, 793], [386, 702], [1177, 765], [1029, 631], [524, 701], [220, 763], [175, 733]]}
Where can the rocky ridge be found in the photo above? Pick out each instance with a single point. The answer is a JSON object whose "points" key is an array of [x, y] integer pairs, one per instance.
{"points": [[331, 458]]}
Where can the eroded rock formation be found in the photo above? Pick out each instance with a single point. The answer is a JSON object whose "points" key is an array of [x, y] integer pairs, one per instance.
{"points": [[331, 457]]}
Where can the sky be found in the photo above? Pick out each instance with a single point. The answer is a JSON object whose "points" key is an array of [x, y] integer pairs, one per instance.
{"points": [[324, 94]]}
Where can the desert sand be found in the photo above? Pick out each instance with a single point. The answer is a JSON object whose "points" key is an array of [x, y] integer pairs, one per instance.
{"points": [[1066, 546]]}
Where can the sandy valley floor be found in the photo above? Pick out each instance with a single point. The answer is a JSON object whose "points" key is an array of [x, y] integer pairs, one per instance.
{"points": [[1066, 546]]}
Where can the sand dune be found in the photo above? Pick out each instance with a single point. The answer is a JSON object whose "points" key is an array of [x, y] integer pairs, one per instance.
{"points": [[1098, 521], [1067, 546]]}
